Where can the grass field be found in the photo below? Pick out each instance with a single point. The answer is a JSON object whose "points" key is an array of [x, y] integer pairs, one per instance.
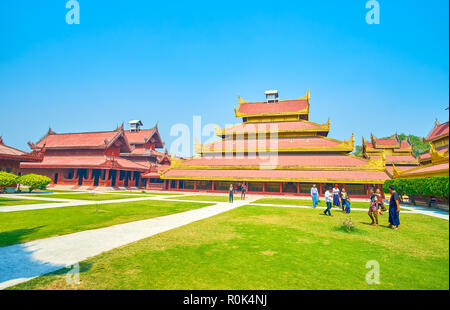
{"points": [[259, 247], [213, 198], [89, 196], [21, 226], [14, 202]]}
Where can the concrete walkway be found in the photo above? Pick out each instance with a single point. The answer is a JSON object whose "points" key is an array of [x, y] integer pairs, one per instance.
{"points": [[71, 202], [22, 262]]}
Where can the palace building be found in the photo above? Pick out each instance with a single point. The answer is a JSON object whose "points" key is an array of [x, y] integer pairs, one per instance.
{"points": [[396, 152], [10, 158], [115, 158], [438, 139], [276, 150], [434, 162]]}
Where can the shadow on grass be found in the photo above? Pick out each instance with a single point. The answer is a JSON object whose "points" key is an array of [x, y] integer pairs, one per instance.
{"points": [[23, 261], [354, 230], [17, 235], [379, 225]]}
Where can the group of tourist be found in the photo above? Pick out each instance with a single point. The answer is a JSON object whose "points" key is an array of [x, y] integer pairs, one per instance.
{"points": [[233, 189], [335, 197]]}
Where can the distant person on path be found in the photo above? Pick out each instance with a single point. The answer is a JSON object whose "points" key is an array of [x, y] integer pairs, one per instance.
{"points": [[373, 209], [243, 191], [314, 195], [394, 208], [336, 199], [328, 200], [381, 207], [345, 201], [231, 193]]}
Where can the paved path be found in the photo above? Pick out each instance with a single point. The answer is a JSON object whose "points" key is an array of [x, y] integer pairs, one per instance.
{"points": [[72, 202], [22, 262]]}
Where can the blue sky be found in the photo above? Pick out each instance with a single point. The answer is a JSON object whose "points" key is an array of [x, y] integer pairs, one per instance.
{"points": [[166, 62]]}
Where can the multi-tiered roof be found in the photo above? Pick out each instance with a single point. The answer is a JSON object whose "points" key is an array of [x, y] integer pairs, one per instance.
{"points": [[438, 138], [277, 142], [397, 152]]}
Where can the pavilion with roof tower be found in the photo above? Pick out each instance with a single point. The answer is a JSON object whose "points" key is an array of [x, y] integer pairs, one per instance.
{"points": [[438, 138], [396, 152], [434, 162], [276, 150], [115, 158]]}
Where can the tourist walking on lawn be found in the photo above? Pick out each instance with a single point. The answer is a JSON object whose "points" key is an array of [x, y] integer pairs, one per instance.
{"points": [[345, 201], [336, 199], [314, 195], [328, 200], [394, 208], [231, 193], [373, 209], [243, 190], [381, 207]]}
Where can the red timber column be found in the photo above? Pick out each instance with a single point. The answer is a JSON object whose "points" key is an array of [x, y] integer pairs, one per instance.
{"points": [[169, 187], [195, 185], [74, 179], [264, 187], [320, 189], [117, 178], [213, 186], [106, 182], [281, 187], [90, 181], [298, 187], [178, 184]]}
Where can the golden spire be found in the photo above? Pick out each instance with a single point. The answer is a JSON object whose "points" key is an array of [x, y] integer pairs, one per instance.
{"points": [[307, 96], [241, 101]]}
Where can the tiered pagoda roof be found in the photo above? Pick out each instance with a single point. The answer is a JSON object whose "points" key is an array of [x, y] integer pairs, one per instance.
{"points": [[277, 142], [438, 137], [396, 151], [82, 141], [144, 136], [96, 150], [11, 153]]}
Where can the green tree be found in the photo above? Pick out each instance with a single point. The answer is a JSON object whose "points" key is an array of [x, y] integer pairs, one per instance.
{"points": [[7, 179], [34, 181], [358, 150], [419, 147]]}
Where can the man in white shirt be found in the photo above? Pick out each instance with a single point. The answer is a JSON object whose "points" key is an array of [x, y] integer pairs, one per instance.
{"points": [[328, 200]]}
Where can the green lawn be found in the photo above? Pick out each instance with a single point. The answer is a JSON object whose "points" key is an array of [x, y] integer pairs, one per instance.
{"points": [[213, 198], [17, 227], [258, 247], [89, 196], [14, 202]]}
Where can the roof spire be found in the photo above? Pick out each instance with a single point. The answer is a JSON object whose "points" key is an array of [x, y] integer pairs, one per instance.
{"points": [[436, 122]]}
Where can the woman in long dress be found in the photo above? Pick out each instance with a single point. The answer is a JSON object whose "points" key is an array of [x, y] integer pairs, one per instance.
{"points": [[336, 198]]}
